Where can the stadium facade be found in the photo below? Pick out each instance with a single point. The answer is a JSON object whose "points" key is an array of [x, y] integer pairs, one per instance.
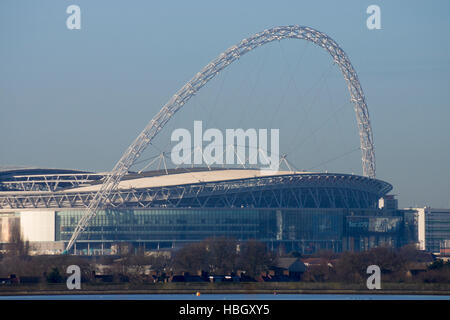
{"points": [[287, 210]]}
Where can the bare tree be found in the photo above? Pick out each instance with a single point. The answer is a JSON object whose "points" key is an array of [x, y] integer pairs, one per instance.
{"points": [[222, 255], [191, 258], [254, 257]]}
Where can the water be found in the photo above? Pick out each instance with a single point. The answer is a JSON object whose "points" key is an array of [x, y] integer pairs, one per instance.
{"points": [[228, 297]]}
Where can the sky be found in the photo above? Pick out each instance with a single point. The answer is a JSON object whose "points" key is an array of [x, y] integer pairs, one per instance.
{"points": [[78, 98]]}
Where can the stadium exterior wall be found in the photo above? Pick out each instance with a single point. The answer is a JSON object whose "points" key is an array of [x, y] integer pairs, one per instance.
{"points": [[293, 229]]}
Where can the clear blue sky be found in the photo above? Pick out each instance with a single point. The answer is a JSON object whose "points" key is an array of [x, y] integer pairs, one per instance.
{"points": [[77, 98]]}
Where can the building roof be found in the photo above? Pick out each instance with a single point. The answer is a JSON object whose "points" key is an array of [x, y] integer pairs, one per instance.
{"points": [[188, 178], [315, 261], [291, 264], [28, 171], [199, 187]]}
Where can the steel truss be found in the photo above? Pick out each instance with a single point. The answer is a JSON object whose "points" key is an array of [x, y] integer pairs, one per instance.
{"points": [[210, 71], [48, 182], [291, 191]]}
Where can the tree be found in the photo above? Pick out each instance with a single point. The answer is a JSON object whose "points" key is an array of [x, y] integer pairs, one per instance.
{"points": [[318, 273], [191, 258], [222, 255], [160, 264], [388, 259], [54, 276], [254, 257], [214, 255], [441, 275], [352, 266]]}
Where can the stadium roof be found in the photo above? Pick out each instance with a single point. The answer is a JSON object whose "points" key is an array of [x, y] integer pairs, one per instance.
{"points": [[198, 187], [189, 178], [27, 170]]}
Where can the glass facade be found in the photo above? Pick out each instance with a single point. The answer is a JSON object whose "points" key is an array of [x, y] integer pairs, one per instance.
{"points": [[169, 224], [302, 230], [437, 229]]}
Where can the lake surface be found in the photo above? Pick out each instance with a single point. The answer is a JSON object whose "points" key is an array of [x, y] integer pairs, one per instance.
{"points": [[228, 297]]}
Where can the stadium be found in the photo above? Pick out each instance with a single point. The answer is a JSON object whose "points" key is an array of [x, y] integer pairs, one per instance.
{"points": [[165, 209], [98, 213]]}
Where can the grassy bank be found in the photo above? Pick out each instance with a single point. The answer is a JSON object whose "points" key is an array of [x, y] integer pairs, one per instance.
{"points": [[229, 288]]}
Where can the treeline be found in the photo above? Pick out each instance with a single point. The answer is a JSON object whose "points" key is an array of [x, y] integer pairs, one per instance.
{"points": [[250, 260], [223, 256], [218, 256], [406, 264]]}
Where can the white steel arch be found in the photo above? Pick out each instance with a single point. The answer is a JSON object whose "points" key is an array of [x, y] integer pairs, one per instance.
{"points": [[210, 71]]}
